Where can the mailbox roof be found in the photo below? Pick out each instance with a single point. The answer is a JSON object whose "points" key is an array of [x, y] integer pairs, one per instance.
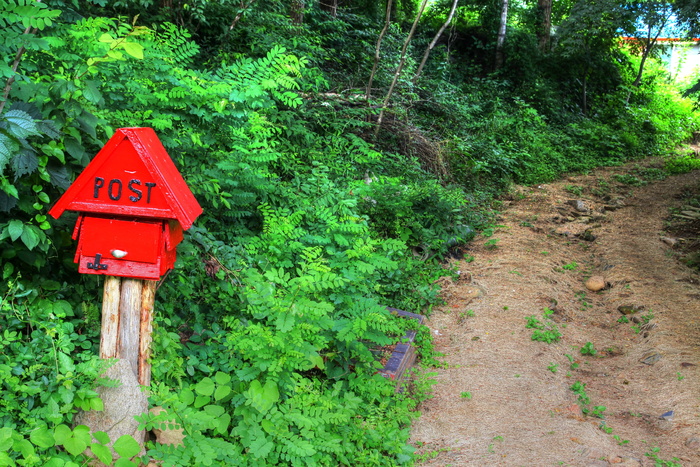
{"points": [[134, 165]]}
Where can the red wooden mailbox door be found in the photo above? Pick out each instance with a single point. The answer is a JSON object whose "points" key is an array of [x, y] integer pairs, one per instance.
{"points": [[133, 206]]}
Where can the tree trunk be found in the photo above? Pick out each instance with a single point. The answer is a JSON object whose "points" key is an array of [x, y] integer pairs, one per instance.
{"points": [[402, 61], [544, 32], [435, 39], [237, 18], [297, 13], [387, 22], [331, 6], [648, 44], [500, 59]]}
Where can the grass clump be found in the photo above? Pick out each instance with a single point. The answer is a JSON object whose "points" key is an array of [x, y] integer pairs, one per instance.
{"points": [[544, 330]]}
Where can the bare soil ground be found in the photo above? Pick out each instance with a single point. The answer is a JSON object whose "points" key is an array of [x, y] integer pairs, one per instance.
{"points": [[506, 400]]}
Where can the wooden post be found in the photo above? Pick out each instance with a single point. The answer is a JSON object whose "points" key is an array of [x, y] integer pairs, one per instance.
{"points": [[110, 317], [127, 316], [148, 298]]}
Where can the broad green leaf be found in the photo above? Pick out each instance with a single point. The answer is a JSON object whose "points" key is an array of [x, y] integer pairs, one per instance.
{"points": [[8, 188], [268, 426], [25, 447], [5, 460], [317, 361], [126, 446], [53, 462], [222, 423], [5, 438], [101, 437], [42, 437], [20, 123], [201, 401], [102, 452], [91, 92], [221, 392], [134, 49], [15, 229], [30, 237], [65, 363], [82, 432], [96, 404], [7, 150], [61, 433], [75, 446], [106, 38], [214, 410], [205, 387], [54, 415], [60, 307], [24, 163], [48, 284], [263, 397], [222, 378], [270, 393], [75, 149], [187, 396]]}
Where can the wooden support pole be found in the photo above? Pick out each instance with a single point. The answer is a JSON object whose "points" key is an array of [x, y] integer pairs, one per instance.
{"points": [[127, 323], [110, 317], [148, 298]]}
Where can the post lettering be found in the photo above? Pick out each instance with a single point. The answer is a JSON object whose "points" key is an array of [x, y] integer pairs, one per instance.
{"points": [[136, 191], [115, 187], [99, 183], [148, 193], [110, 191]]}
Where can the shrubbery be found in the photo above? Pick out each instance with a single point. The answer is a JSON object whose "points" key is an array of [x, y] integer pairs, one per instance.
{"points": [[311, 227]]}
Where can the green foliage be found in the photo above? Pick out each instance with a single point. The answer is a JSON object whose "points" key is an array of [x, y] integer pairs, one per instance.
{"points": [[422, 214], [653, 454], [579, 389], [682, 164], [588, 349], [264, 331], [545, 330]]}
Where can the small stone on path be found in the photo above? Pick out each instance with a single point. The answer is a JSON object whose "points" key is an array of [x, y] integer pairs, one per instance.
{"points": [[579, 205], [629, 309], [651, 357], [693, 442], [595, 283], [473, 291], [669, 241]]}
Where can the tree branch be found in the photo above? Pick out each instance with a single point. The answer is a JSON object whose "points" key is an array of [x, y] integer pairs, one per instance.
{"points": [[434, 41], [399, 68], [387, 22]]}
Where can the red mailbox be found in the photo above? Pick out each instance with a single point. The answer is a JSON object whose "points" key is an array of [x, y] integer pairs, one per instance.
{"points": [[133, 206]]}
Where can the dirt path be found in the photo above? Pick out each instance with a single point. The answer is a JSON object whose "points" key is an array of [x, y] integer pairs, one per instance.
{"points": [[508, 400]]}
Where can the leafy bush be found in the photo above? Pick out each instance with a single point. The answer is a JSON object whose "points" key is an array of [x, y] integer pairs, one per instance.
{"points": [[681, 165]]}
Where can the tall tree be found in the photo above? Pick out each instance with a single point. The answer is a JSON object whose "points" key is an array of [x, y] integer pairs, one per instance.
{"points": [[387, 23], [331, 6], [653, 20], [399, 68], [587, 40], [435, 39], [297, 11], [500, 41], [544, 8]]}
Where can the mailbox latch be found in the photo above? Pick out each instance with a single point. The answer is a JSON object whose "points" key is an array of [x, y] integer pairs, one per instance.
{"points": [[97, 266]]}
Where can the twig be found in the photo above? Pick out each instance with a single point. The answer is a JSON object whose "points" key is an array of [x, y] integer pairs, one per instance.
{"points": [[387, 22], [399, 68]]}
